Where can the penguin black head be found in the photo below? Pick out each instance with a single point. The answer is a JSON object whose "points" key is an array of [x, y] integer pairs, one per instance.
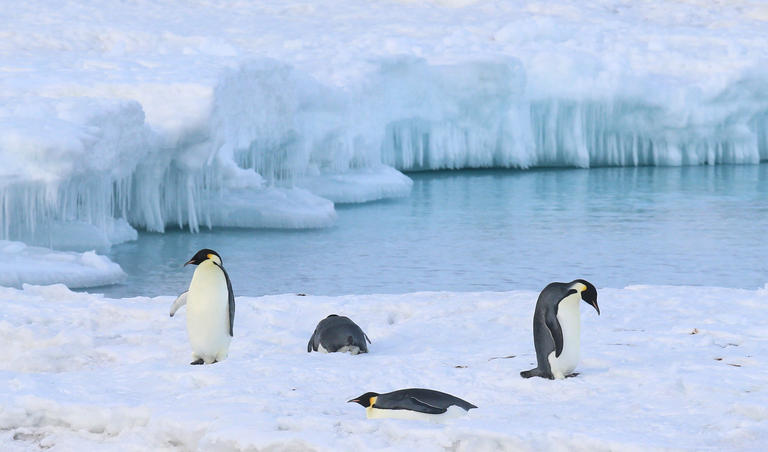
{"points": [[203, 255], [366, 399], [589, 294]]}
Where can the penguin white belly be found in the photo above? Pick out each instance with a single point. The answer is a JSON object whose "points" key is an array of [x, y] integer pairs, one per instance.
{"points": [[452, 412], [351, 349], [570, 322], [208, 313]]}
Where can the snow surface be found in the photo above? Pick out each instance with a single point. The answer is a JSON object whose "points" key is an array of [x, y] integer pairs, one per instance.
{"points": [[22, 264], [143, 112], [663, 368]]}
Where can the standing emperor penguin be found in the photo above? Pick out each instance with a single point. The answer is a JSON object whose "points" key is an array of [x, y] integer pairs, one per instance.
{"points": [[210, 308], [557, 328]]}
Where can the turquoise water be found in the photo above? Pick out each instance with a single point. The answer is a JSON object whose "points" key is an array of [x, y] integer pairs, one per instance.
{"points": [[495, 230]]}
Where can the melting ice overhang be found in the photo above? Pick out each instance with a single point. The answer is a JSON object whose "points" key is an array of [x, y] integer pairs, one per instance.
{"points": [[265, 145]]}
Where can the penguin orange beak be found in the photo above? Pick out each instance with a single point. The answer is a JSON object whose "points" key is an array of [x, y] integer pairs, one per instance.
{"points": [[191, 261], [354, 400]]}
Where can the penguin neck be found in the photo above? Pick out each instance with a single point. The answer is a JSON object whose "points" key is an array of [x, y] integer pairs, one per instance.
{"points": [[206, 267], [568, 310], [569, 317], [207, 274], [370, 411]]}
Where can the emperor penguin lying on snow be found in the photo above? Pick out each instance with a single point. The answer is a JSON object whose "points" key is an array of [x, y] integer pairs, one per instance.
{"points": [[414, 403], [210, 308], [337, 333]]}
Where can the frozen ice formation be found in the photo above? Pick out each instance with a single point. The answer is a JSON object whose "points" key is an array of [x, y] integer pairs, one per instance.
{"points": [[22, 264], [264, 115]]}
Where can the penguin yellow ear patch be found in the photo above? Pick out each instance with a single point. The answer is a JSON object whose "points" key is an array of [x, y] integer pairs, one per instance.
{"points": [[373, 400], [210, 256]]}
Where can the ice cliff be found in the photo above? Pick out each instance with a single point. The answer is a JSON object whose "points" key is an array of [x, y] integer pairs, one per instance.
{"points": [[264, 116]]}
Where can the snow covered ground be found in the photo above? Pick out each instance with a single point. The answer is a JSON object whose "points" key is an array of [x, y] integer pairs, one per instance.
{"points": [[147, 114], [22, 264], [663, 368], [162, 112]]}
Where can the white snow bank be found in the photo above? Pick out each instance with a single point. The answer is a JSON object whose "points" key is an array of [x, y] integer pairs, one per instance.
{"points": [[109, 111], [65, 169], [22, 264], [80, 235], [662, 367]]}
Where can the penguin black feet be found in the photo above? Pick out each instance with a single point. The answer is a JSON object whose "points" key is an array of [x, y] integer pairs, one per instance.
{"points": [[200, 361], [575, 374], [535, 373], [530, 373]]}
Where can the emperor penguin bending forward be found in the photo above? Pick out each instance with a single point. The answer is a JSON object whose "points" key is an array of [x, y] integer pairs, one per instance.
{"points": [[210, 308], [557, 327]]}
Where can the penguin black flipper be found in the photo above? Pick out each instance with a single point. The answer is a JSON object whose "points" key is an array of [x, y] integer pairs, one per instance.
{"points": [[424, 407], [231, 300], [401, 400], [554, 328], [231, 297], [311, 343], [422, 400]]}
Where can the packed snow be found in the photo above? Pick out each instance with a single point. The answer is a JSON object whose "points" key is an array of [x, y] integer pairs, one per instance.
{"points": [[158, 114], [22, 264], [663, 368]]}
